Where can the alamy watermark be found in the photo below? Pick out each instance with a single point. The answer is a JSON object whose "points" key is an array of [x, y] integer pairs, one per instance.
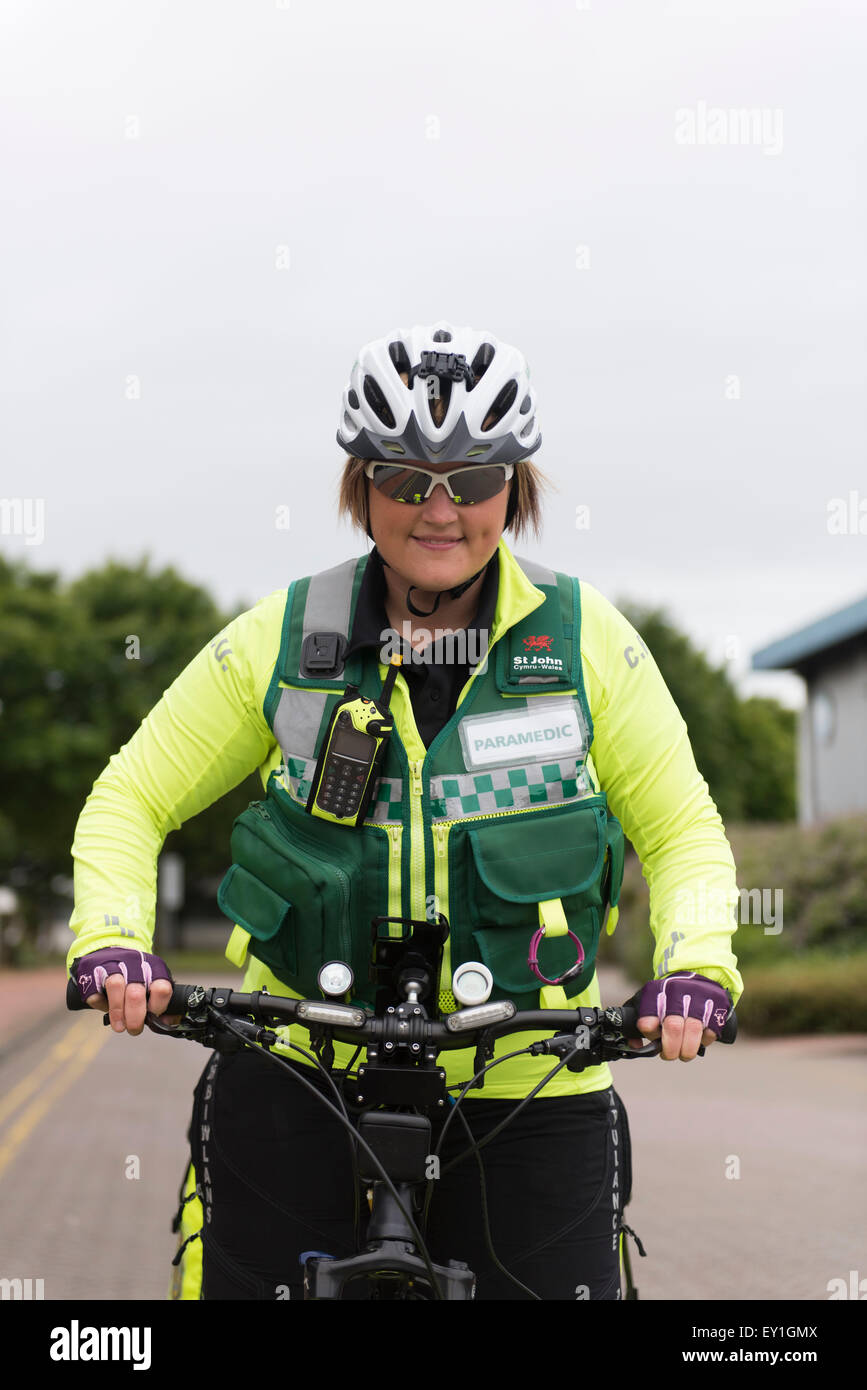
{"points": [[22, 1288], [751, 906], [467, 647], [855, 1287], [23, 516], [718, 125], [847, 516], [77, 1343]]}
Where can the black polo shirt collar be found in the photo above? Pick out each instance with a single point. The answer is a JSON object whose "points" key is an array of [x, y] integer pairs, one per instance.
{"points": [[371, 627]]}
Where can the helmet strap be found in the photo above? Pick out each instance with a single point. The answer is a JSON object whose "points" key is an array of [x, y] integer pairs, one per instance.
{"points": [[419, 612], [452, 593]]}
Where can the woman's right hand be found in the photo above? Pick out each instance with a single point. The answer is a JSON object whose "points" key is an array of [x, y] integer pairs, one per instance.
{"points": [[127, 984]]}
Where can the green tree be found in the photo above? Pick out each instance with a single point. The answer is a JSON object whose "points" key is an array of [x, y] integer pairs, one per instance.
{"points": [[81, 666], [766, 735]]}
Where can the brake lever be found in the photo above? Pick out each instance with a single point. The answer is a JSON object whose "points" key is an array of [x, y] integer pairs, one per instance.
{"points": [[615, 1040], [178, 1031], [194, 1030], [652, 1048]]}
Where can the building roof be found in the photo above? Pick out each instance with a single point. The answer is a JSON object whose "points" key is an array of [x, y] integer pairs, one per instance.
{"points": [[810, 641]]}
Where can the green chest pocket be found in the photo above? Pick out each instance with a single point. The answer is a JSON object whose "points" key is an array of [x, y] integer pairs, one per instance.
{"points": [[300, 895], [506, 867]]}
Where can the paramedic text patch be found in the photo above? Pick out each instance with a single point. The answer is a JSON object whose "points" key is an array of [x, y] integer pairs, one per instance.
{"points": [[542, 730]]}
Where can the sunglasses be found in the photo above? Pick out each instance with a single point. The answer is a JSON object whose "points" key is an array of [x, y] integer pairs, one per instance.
{"points": [[415, 485]]}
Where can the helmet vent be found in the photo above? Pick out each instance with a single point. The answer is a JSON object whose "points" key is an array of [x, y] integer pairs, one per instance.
{"points": [[525, 405], [400, 357], [528, 428], [441, 336], [481, 362], [352, 397], [439, 404], [377, 402], [503, 402]]}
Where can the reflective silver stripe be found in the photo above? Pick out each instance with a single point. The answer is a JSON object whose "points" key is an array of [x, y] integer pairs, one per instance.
{"points": [[536, 573], [296, 776], [388, 801], [296, 723], [329, 598], [470, 794], [669, 952]]}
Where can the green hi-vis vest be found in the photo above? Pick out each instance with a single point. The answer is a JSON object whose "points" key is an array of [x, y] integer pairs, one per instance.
{"points": [[497, 826]]}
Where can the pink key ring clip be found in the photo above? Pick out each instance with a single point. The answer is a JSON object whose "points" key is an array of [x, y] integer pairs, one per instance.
{"points": [[533, 959]]}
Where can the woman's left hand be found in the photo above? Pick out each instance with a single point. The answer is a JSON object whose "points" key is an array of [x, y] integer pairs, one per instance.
{"points": [[689, 1012]]}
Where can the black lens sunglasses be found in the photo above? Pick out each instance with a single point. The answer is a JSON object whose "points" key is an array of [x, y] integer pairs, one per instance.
{"points": [[413, 484]]}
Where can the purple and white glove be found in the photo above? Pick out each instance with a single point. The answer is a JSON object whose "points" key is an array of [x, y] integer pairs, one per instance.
{"points": [[687, 995], [136, 967]]}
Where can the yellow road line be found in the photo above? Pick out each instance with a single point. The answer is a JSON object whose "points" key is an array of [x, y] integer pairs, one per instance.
{"points": [[68, 1044], [25, 1124]]}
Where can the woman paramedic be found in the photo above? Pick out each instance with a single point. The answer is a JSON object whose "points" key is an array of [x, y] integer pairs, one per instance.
{"points": [[525, 702]]}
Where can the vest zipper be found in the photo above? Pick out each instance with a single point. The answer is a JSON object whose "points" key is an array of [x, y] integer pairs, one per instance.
{"points": [[516, 811], [416, 841], [441, 890], [394, 867]]}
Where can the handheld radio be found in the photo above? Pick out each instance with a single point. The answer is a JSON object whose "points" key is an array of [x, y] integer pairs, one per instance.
{"points": [[347, 768]]}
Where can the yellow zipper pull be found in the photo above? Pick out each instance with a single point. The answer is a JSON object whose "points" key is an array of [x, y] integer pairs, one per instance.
{"points": [[417, 784]]}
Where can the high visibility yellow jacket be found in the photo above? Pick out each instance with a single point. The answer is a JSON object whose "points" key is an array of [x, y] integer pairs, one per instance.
{"points": [[209, 731]]}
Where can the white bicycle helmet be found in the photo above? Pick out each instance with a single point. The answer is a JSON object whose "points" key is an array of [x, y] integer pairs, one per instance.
{"points": [[387, 410], [490, 406]]}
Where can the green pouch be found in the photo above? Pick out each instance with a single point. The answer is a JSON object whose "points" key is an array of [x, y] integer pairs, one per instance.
{"points": [[616, 849], [516, 862], [504, 950], [526, 858], [292, 894], [258, 909]]}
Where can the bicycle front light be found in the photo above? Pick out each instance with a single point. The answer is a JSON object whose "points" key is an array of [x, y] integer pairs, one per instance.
{"points": [[480, 1017], [472, 983], [341, 1015], [335, 979]]}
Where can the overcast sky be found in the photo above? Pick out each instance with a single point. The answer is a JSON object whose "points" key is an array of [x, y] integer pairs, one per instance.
{"points": [[209, 205]]}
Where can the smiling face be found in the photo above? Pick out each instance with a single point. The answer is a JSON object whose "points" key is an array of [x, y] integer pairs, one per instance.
{"points": [[436, 545]]}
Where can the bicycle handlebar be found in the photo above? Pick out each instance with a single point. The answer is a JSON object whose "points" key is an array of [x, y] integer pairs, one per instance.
{"points": [[401, 1073], [354, 1024]]}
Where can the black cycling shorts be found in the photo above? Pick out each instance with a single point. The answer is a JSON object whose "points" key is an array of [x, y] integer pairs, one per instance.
{"points": [[274, 1171]]}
